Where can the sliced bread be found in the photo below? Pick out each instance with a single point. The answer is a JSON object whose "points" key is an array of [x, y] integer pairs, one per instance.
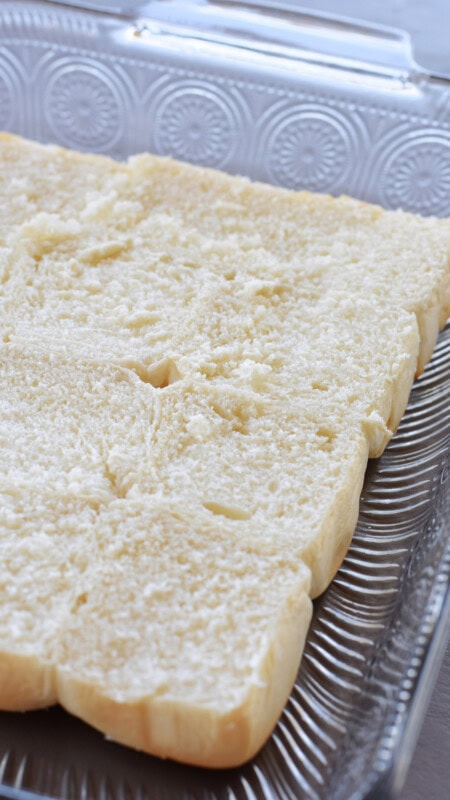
{"points": [[194, 370]]}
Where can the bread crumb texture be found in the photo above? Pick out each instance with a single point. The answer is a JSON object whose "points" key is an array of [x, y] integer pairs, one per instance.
{"points": [[194, 370]]}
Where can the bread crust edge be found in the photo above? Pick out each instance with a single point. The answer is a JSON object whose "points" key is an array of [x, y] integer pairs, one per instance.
{"points": [[200, 735]]}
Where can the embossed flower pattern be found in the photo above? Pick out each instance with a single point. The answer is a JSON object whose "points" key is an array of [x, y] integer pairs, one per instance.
{"points": [[5, 103], [196, 127], [418, 177], [83, 109], [309, 152]]}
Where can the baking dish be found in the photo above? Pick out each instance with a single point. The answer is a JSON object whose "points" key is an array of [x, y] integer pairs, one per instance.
{"points": [[304, 102]]}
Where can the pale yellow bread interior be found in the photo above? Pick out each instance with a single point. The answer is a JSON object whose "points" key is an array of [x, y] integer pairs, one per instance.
{"points": [[194, 370]]}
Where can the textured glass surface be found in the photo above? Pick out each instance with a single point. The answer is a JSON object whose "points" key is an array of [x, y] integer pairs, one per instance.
{"points": [[230, 96]]}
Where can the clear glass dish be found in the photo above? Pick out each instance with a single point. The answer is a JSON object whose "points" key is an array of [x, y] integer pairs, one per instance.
{"points": [[305, 102]]}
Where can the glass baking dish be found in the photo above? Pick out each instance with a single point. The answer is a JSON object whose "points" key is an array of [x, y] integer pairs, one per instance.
{"points": [[305, 102]]}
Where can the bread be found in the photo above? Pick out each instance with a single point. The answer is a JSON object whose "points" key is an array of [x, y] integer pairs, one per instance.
{"points": [[194, 370]]}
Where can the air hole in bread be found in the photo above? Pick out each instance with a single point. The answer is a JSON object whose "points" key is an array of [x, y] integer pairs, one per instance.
{"points": [[233, 415], [230, 275], [116, 487], [231, 512], [320, 386], [221, 411], [159, 375], [327, 436], [81, 600]]}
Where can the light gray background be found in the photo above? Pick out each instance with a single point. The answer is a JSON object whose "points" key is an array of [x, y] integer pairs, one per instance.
{"points": [[427, 22], [429, 774]]}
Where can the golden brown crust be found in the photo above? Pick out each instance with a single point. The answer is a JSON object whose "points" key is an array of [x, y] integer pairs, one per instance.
{"points": [[26, 682]]}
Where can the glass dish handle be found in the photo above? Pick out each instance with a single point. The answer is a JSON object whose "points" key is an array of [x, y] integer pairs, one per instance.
{"points": [[271, 30]]}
